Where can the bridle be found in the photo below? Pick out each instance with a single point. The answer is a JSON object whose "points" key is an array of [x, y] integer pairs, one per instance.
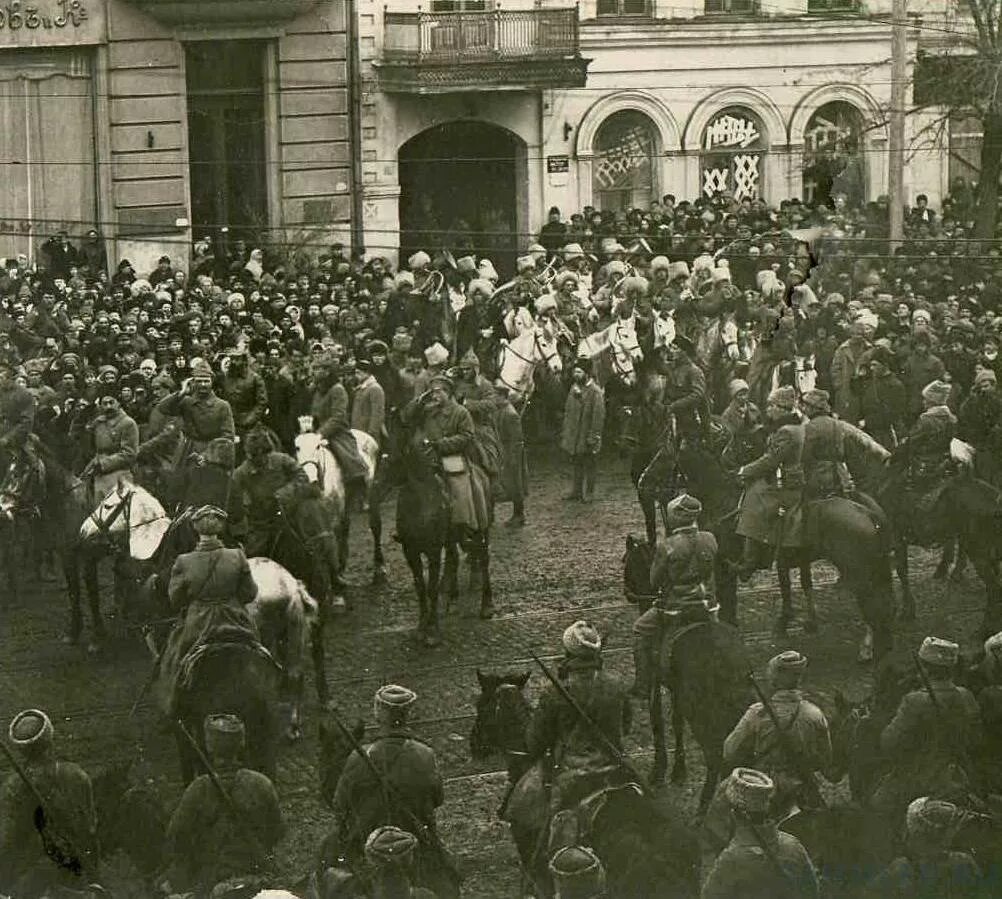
{"points": [[543, 357], [123, 508]]}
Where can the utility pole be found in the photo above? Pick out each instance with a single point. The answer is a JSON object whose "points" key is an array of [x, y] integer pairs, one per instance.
{"points": [[896, 136]]}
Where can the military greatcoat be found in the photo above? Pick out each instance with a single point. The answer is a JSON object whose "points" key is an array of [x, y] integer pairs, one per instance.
{"points": [[775, 481]]}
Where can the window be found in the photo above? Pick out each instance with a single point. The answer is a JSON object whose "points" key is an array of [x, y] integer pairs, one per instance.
{"points": [[823, 6], [966, 134], [440, 6], [833, 163], [624, 7], [733, 154], [623, 176], [737, 7]]}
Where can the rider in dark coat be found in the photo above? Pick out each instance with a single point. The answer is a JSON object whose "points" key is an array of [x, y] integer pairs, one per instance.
{"points": [[775, 483], [330, 412], [682, 576], [685, 394], [930, 742], [245, 391], [209, 842]]}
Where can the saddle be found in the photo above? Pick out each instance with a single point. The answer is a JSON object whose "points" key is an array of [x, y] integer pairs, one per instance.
{"points": [[224, 638], [574, 826]]}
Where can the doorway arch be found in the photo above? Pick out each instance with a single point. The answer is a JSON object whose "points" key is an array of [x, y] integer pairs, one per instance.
{"points": [[464, 188]]}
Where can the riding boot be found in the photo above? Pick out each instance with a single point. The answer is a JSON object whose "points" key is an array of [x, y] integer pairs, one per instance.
{"points": [[588, 488], [749, 563], [643, 664], [578, 487]]}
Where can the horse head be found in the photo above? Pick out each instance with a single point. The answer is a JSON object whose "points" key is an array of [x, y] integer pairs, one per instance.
{"points": [[308, 446], [502, 714], [110, 518], [335, 748]]}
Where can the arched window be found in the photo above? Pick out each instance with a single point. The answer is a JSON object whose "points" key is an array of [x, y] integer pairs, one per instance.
{"points": [[623, 175], [833, 161], [733, 154]]}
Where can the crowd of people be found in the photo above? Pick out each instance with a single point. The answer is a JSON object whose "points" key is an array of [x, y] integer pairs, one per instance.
{"points": [[734, 305]]}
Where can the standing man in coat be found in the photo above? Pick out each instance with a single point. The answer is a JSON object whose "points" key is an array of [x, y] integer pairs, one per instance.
{"points": [[775, 485], [514, 480], [368, 405], [244, 389], [584, 421]]}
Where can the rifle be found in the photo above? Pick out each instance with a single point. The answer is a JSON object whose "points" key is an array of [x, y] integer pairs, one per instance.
{"points": [[238, 818], [421, 830], [58, 847], [783, 735], [617, 754]]}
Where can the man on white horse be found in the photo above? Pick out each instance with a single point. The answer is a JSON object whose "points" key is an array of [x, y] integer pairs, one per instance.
{"points": [[264, 482], [330, 411], [19, 468]]}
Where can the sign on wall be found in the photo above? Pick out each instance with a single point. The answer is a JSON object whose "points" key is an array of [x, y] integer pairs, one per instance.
{"points": [[558, 165], [51, 23]]}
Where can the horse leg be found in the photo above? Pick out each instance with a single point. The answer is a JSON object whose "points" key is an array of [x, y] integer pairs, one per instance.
{"points": [[450, 575], [649, 508], [71, 573], [433, 633], [727, 592], [714, 761], [416, 565], [907, 611], [317, 634], [961, 563], [945, 559], [656, 707], [376, 529], [94, 602], [785, 591], [487, 609], [807, 585], [679, 770]]}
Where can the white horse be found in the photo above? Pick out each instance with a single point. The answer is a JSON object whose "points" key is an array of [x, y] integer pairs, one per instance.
{"points": [[620, 339], [520, 357], [321, 467], [286, 615]]}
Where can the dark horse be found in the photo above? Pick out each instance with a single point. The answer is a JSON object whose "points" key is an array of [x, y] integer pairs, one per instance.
{"points": [[645, 848], [705, 668], [841, 531], [425, 532]]}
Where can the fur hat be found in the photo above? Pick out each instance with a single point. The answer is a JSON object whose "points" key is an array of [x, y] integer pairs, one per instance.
{"points": [[660, 263], [404, 279], [469, 359], [936, 393], [393, 701], [684, 508], [784, 397], [736, 386], [209, 520], [584, 363], [581, 639], [481, 284], [31, 730], [402, 341], [749, 790], [545, 303], [466, 264], [788, 662], [561, 279], [224, 735], [936, 651], [201, 369], [616, 267], [572, 251], [984, 377], [634, 284], [931, 823], [487, 270], [420, 259], [679, 269], [388, 845], [436, 354], [817, 401], [577, 873], [525, 264]]}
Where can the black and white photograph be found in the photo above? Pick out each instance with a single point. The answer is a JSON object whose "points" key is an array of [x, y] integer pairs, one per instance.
{"points": [[500, 449]]}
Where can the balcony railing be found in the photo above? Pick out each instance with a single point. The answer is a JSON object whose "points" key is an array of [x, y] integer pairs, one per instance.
{"points": [[476, 37]]}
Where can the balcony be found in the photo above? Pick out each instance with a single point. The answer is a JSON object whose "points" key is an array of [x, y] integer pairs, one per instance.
{"points": [[429, 53]]}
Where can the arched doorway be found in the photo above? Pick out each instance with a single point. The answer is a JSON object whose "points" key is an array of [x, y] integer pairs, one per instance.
{"points": [[463, 188], [624, 175], [833, 161], [732, 154]]}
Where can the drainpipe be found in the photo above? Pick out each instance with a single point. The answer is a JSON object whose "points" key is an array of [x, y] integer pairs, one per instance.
{"points": [[354, 120]]}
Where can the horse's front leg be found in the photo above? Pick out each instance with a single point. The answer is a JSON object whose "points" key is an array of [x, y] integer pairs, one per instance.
{"points": [[416, 564], [450, 575], [433, 632], [807, 585], [89, 560], [487, 609], [679, 770], [376, 529], [785, 591], [317, 635], [907, 612], [656, 708]]}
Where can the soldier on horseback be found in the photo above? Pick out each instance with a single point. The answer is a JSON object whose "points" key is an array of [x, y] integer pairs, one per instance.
{"points": [[682, 574], [116, 444], [930, 742], [48, 826], [209, 587], [790, 758], [931, 868], [227, 823], [22, 470], [397, 783], [775, 485], [329, 408], [760, 859], [581, 760], [263, 483]]}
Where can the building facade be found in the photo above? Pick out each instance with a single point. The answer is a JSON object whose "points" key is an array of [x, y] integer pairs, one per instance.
{"points": [[611, 103], [158, 122]]}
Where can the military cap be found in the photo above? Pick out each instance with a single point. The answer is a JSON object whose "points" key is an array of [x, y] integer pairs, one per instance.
{"points": [[441, 380], [737, 386], [466, 264], [984, 377], [817, 400], [394, 698], [402, 341], [374, 347], [584, 363], [545, 303], [931, 822], [31, 729], [107, 370], [201, 369], [572, 251], [224, 734], [922, 315], [937, 393], [581, 639], [684, 506], [524, 264], [660, 263], [577, 873], [679, 269], [389, 845], [788, 662], [362, 363], [420, 259], [936, 651], [535, 248], [783, 397], [436, 354], [750, 790], [70, 360]]}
